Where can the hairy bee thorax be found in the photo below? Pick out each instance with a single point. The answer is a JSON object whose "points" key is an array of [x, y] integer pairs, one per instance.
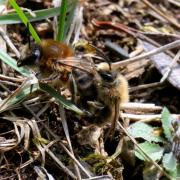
{"points": [[113, 85]]}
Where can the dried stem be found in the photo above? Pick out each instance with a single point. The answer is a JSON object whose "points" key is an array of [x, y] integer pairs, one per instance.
{"points": [[145, 86], [140, 107], [146, 55], [172, 21], [169, 68], [66, 131]]}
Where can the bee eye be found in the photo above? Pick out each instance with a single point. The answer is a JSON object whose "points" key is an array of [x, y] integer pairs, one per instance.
{"points": [[107, 77], [31, 58]]}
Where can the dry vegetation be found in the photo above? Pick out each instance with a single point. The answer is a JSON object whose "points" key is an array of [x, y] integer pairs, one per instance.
{"points": [[43, 135]]}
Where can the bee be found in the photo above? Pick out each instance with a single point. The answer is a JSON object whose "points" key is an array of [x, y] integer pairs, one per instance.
{"points": [[43, 57], [51, 60], [100, 90], [102, 93]]}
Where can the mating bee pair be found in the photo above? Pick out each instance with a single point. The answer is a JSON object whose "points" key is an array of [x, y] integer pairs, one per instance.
{"points": [[100, 89]]}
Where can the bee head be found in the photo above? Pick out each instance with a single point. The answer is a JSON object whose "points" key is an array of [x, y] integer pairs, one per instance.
{"points": [[107, 78], [30, 56]]}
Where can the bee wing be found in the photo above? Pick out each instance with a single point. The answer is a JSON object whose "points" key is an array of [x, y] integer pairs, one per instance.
{"points": [[82, 64]]}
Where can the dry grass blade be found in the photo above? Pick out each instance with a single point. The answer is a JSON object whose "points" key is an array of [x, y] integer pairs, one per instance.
{"points": [[21, 132], [174, 2], [40, 131], [27, 87], [163, 63], [145, 117], [145, 86], [7, 145], [65, 169], [42, 146], [169, 69], [65, 127], [75, 160], [9, 42], [170, 19], [24, 132], [42, 173], [76, 24], [37, 136]]}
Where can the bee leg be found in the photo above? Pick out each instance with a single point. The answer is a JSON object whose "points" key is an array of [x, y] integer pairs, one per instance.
{"points": [[87, 114], [114, 121], [96, 105], [116, 118]]}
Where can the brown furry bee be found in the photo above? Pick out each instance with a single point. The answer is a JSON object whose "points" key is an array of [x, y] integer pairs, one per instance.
{"points": [[45, 58], [100, 89], [102, 93]]}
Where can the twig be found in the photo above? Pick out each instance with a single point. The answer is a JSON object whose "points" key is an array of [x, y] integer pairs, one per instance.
{"points": [[65, 169], [57, 138], [9, 83], [169, 68], [69, 153], [138, 117], [140, 107], [146, 55], [136, 52], [174, 2], [9, 42], [11, 78], [172, 21], [145, 86], [5, 88]]}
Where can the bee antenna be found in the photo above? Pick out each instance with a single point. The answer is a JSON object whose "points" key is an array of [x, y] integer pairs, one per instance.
{"points": [[102, 55]]}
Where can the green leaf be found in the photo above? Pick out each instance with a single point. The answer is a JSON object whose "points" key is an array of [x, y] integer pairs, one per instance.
{"points": [[144, 131], [67, 104], [14, 18], [178, 170], [25, 20], [166, 123], [63, 11], [169, 162], [154, 151], [12, 63]]}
